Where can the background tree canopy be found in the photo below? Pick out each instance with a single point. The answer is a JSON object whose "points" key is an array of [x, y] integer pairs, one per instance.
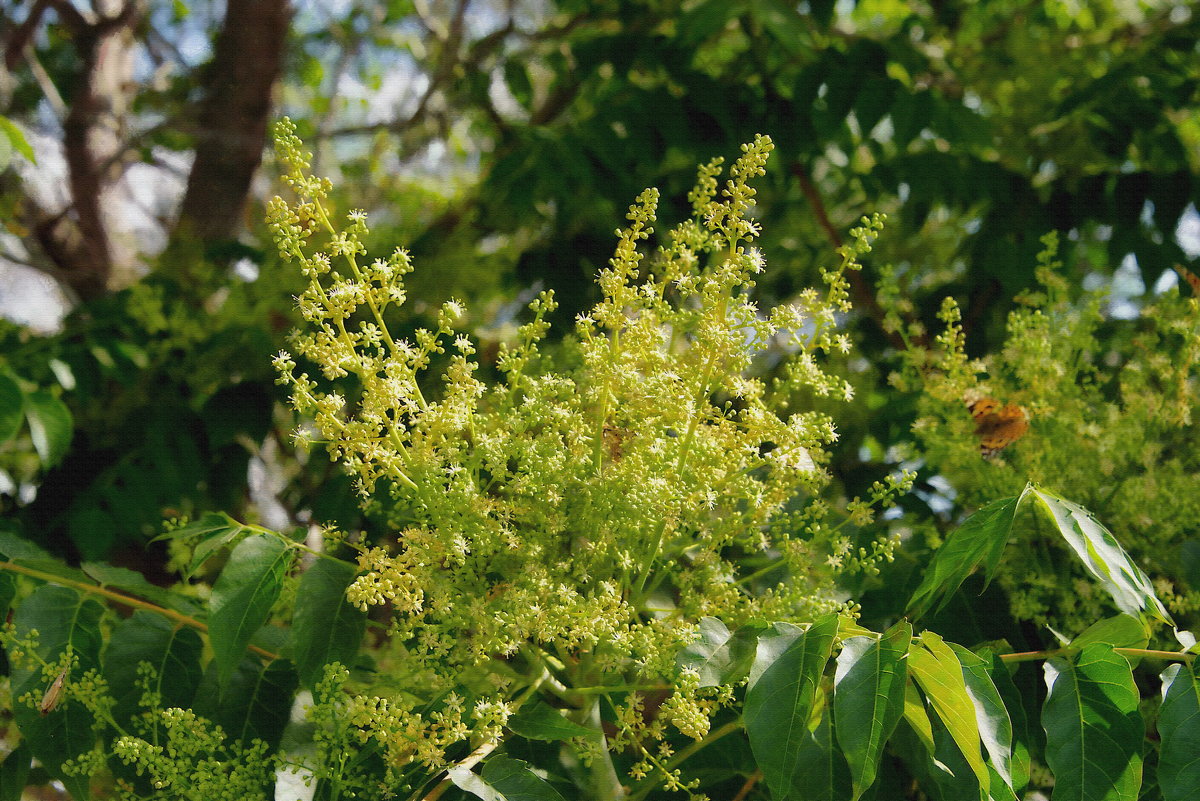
{"points": [[501, 141]]}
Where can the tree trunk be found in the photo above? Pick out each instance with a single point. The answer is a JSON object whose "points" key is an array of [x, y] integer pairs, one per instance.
{"points": [[81, 243], [233, 119]]}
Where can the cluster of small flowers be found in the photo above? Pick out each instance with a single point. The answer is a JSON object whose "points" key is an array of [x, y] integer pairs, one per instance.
{"points": [[587, 512], [194, 760]]}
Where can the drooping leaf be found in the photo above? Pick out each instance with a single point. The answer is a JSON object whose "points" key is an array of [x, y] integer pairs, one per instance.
{"points": [[995, 726], [917, 717], [826, 775], [869, 698], [326, 627], [720, 656], [1179, 730], [1022, 737], [979, 540], [50, 426], [516, 781], [538, 721], [1103, 557], [14, 772], [243, 596], [1093, 730], [12, 408], [937, 669], [780, 698], [173, 652], [63, 620]]}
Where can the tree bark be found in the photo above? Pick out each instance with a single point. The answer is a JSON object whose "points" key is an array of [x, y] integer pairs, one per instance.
{"points": [[81, 242], [233, 119]]}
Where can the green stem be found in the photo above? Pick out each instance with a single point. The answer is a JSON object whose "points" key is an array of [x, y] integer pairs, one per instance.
{"points": [[1034, 656], [124, 600]]}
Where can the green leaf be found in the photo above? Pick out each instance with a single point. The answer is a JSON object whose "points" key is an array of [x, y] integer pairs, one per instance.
{"points": [[916, 716], [243, 596], [1179, 728], [1093, 730], [873, 101], [938, 670], [63, 621], [174, 653], [1120, 631], [516, 781], [14, 772], [826, 775], [134, 583], [979, 540], [12, 408], [869, 698], [8, 591], [326, 627], [538, 721], [469, 782], [50, 426], [1022, 737], [209, 534], [255, 702], [23, 552], [784, 679], [16, 138], [516, 78], [1103, 557], [720, 657], [995, 726]]}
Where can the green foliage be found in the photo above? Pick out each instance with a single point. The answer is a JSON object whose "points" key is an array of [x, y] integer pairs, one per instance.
{"points": [[1111, 425], [617, 568]]}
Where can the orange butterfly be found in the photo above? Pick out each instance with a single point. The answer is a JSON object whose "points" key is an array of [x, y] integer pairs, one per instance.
{"points": [[997, 426], [1189, 276]]}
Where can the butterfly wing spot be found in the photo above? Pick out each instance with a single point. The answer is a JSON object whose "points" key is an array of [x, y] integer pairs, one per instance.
{"points": [[997, 426]]}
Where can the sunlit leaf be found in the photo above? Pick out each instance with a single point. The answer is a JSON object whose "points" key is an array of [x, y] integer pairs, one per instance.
{"points": [[1093, 730], [1103, 557], [516, 781], [720, 656], [538, 721], [995, 726], [980, 540], [1119, 631], [937, 669], [869, 698], [784, 679]]}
